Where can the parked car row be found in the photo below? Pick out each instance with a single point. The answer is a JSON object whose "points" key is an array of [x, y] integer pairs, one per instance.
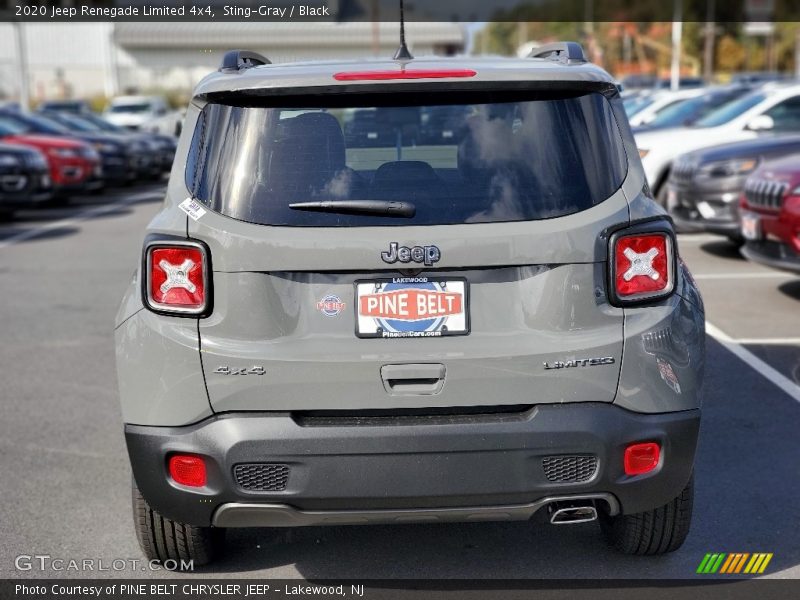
{"points": [[53, 154], [734, 171]]}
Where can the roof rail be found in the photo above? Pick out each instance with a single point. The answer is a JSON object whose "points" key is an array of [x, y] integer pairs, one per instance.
{"points": [[237, 60], [569, 53]]}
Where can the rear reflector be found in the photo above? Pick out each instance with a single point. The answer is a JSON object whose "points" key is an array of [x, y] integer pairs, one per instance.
{"points": [[641, 458], [187, 470], [176, 278], [643, 266], [403, 74]]}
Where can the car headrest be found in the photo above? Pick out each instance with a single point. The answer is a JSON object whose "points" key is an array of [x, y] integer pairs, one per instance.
{"points": [[309, 145]]}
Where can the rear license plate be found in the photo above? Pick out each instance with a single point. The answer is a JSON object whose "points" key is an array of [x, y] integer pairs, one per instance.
{"points": [[706, 210], [751, 226], [412, 307]]}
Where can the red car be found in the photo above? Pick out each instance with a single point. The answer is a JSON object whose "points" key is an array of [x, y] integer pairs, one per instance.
{"points": [[770, 215], [74, 165]]}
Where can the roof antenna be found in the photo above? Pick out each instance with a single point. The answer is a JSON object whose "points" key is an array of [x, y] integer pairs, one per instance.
{"points": [[402, 52]]}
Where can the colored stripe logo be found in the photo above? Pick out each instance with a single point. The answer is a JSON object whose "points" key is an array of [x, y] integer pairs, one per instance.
{"points": [[734, 563]]}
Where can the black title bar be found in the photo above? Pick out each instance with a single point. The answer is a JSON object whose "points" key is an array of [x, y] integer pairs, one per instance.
{"points": [[388, 10]]}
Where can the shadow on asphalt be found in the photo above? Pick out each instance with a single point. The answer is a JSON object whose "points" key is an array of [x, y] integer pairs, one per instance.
{"points": [[723, 249], [791, 288]]}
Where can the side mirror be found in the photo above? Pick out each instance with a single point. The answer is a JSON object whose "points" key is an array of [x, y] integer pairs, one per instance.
{"points": [[761, 123]]}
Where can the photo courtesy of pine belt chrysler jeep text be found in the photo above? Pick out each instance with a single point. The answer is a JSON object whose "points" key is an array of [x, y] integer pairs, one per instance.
{"points": [[417, 290]]}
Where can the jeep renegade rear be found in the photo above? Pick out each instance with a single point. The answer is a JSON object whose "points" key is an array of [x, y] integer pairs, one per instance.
{"points": [[399, 291]]}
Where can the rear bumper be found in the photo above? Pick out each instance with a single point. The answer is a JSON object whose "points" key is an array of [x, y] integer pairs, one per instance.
{"points": [[772, 254], [387, 469]]}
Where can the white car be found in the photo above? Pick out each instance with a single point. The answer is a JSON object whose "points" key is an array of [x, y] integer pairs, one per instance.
{"points": [[660, 101], [144, 113], [771, 109]]}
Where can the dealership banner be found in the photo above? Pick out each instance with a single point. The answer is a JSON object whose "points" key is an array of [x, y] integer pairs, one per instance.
{"points": [[376, 589], [389, 10]]}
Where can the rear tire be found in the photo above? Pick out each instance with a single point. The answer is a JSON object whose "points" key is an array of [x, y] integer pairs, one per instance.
{"points": [[656, 531], [163, 539]]}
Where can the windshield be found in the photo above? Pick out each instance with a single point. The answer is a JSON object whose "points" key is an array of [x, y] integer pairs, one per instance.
{"points": [[465, 163], [729, 112], [100, 123], [690, 111], [74, 123], [11, 127], [31, 124], [636, 105], [143, 107]]}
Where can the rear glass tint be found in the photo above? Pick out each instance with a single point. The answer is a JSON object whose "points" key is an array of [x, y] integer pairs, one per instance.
{"points": [[490, 159]]}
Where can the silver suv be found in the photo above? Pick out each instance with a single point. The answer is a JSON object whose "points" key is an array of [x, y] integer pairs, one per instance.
{"points": [[404, 291]]}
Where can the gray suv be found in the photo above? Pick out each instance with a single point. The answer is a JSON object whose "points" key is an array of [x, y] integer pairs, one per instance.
{"points": [[487, 322]]}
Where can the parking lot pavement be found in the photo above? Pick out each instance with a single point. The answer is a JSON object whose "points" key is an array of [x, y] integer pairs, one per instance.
{"points": [[66, 480]]}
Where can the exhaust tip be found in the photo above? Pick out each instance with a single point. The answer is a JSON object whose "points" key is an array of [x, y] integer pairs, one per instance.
{"points": [[571, 515]]}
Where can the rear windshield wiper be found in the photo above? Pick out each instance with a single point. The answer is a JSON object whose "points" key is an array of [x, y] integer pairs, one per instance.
{"points": [[383, 208]]}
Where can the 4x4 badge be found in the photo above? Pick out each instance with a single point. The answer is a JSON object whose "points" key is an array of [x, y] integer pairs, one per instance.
{"points": [[418, 254]]}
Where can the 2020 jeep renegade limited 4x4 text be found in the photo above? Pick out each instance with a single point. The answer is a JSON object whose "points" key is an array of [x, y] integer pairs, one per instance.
{"points": [[416, 290]]}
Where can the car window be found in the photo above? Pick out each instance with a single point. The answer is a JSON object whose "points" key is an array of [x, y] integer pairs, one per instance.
{"points": [[786, 114], [481, 161], [728, 112]]}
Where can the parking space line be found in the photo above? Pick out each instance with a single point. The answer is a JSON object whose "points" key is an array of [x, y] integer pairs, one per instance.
{"points": [[751, 275], [699, 238], [77, 218], [758, 365], [768, 341]]}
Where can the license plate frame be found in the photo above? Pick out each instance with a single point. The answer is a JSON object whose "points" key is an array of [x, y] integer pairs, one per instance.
{"points": [[377, 325]]}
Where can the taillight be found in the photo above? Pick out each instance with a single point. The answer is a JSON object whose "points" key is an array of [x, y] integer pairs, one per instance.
{"points": [[187, 469], [176, 278], [643, 266], [641, 458]]}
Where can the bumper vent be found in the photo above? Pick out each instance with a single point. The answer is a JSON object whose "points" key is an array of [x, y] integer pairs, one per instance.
{"points": [[569, 469], [261, 477]]}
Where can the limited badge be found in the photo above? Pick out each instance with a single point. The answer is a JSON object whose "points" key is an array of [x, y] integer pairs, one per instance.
{"points": [[331, 305], [192, 208]]}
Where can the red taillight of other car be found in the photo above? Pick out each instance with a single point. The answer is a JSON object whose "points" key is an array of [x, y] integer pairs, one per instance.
{"points": [[176, 278], [643, 266]]}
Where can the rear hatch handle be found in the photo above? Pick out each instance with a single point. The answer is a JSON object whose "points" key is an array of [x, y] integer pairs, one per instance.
{"points": [[422, 379]]}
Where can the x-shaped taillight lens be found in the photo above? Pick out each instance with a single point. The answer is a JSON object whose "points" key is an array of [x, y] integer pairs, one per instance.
{"points": [[177, 278], [643, 266]]}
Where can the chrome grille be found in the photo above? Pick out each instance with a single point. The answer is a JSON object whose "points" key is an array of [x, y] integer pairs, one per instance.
{"points": [[683, 171], [569, 469], [261, 477], [765, 193]]}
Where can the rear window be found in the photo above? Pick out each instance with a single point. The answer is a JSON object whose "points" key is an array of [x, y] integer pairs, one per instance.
{"points": [[495, 157]]}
